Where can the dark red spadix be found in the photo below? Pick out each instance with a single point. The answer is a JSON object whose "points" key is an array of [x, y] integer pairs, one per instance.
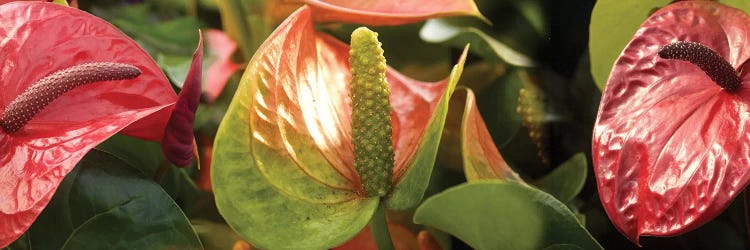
{"points": [[23, 108]]}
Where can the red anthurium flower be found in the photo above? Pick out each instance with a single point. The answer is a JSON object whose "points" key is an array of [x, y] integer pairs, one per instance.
{"points": [[220, 49], [670, 146], [69, 80], [388, 12]]}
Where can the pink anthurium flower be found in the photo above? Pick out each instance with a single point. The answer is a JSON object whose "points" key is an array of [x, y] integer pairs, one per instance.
{"points": [[70, 80], [670, 147], [286, 143], [220, 50]]}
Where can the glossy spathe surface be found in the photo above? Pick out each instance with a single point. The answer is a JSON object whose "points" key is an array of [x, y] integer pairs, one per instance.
{"points": [[282, 168], [670, 147], [38, 39]]}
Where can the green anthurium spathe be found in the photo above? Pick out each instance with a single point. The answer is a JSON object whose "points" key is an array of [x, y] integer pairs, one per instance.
{"points": [[283, 162]]}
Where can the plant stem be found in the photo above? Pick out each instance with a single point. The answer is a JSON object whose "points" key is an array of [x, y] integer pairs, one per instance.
{"points": [[379, 227]]}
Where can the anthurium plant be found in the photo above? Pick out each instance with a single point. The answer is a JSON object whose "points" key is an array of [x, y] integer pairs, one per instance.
{"points": [[359, 124]]}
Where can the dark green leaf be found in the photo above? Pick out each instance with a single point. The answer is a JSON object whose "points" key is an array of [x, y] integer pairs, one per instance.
{"points": [[444, 31], [106, 204], [174, 36], [504, 215], [146, 156], [566, 181], [499, 102], [215, 235]]}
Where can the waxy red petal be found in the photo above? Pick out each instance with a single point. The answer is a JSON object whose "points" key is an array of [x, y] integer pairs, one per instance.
{"points": [[388, 12], [37, 39], [671, 149], [178, 143]]}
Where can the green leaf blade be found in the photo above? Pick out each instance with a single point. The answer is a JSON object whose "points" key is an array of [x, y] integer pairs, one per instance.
{"points": [[567, 180], [503, 215], [104, 203]]}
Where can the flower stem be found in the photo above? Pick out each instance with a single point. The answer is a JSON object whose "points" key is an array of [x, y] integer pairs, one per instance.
{"points": [[379, 227]]}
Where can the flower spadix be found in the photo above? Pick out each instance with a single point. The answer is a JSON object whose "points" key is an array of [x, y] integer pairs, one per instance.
{"points": [[371, 113], [303, 156], [23, 108], [670, 146]]}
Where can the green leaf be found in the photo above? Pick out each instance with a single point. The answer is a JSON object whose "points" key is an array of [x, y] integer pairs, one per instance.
{"points": [[562, 247], [740, 4], [215, 235], [245, 22], [146, 156], [502, 99], [178, 184], [566, 181], [444, 31], [106, 204], [408, 192], [176, 67], [61, 2], [504, 215], [174, 36], [612, 28]]}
